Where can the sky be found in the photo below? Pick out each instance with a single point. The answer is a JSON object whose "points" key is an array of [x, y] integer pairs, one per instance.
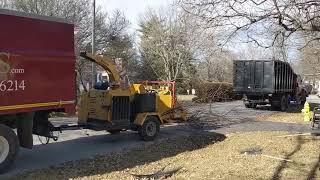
{"points": [[132, 9]]}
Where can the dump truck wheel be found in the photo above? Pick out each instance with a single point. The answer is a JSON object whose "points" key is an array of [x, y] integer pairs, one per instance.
{"points": [[253, 105], [9, 148], [150, 128], [250, 105], [312, 124], [288, 101], [283, 103], [303, 98]]}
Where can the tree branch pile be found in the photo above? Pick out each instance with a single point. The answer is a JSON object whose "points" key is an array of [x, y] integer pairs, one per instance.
{"points": [[214, 92]]}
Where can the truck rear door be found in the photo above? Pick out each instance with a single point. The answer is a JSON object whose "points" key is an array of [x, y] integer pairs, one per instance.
{"points": [[253, 76]]}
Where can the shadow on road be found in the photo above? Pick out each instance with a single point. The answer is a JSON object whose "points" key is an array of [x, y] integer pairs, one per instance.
{"points": [[119, 161]]}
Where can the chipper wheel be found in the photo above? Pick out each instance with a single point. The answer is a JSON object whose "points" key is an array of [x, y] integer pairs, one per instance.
{"points": [[114, 131], [150, 128], [9, 147]]}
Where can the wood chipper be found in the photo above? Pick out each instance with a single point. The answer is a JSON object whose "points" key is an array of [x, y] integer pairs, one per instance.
{"points": [[112, 107]]}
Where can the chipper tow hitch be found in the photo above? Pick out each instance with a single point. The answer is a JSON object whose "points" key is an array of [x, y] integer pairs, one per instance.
{"points": [[47, 130]]}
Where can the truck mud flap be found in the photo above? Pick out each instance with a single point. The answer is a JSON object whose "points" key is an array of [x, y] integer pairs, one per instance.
{"points": [[42, 126], [24, 129]]}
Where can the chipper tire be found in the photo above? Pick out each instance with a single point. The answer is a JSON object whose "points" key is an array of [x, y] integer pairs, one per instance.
{"points": [[9, 148], [114, 131], [150, 128]]}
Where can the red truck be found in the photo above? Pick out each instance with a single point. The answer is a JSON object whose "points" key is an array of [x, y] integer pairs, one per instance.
{"points": [[37, 77]]}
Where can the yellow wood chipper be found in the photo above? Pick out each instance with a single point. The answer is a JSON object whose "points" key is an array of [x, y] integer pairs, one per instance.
{"points": [[112, 107]]}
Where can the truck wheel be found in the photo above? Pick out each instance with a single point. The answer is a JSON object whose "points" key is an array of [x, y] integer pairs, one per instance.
{"points": [[253, 105], [9, 147], [250, 105], [284, 103], [303, 97], [312, 124], [150, 128]]}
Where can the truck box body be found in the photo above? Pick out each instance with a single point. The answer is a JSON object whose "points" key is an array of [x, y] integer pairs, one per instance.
{"points": [[258, 77], [37, 63]]}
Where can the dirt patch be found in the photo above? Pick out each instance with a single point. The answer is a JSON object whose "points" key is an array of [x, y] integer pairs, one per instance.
{"points": [[199, 157]]}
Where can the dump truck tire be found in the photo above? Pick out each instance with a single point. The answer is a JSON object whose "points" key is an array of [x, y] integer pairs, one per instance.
{"points": [[251, 105], [150, 128], [303, 98], [283, 103], [9, 147], [312, 124]]}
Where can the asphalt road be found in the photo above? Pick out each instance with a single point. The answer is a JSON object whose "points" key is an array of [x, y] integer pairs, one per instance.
{"points": [[81, 144]]}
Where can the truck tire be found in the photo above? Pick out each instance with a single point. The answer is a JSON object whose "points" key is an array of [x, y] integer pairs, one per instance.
{"points": [[253, 105], [9, 147], [303, 97], [150, 128], [250, 105], [283, 103], [312, 124], [247, 105]]}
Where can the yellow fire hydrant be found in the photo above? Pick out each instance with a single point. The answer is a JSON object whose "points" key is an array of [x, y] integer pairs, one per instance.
{"points": [[306, 112]]}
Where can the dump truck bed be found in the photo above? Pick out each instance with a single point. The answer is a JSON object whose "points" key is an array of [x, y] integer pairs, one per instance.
{"points": [[263, 77], [37, 63]]}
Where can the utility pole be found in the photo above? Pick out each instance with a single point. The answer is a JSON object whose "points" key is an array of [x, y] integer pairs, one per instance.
{"points": [[93, 68]]}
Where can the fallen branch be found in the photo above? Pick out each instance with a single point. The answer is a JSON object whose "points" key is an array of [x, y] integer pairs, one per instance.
{"points": [[258, 151], [161, 174], [278, 158]]}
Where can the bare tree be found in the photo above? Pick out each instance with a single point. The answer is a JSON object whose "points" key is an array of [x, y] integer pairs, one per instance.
{"points": [[4, 4], [251, 18], [164, 44], [310, 63]]}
